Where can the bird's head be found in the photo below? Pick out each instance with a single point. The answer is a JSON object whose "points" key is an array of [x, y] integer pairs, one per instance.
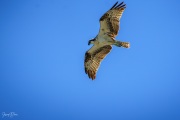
{"points": [[91, 41]]}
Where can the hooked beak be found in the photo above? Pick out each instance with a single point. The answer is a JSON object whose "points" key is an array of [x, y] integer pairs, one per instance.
{"points": [[90, 41]]}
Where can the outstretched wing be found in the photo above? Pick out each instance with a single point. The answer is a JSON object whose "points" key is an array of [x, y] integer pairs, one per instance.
{"points": [[109, 22], [93, 58]]}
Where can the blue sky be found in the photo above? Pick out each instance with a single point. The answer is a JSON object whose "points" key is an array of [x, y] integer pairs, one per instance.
{"points": [[42, 47]]}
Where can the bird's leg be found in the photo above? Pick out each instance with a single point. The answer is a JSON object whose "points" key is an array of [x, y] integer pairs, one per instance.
{"points": [[121, 44]]}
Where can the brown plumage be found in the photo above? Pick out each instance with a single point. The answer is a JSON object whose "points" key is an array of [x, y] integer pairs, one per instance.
{"points": [[109, 27], [92, 61], [110, 20]]}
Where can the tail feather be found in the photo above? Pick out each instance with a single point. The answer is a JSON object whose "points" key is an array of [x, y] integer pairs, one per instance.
{"points": [[122, 44]]}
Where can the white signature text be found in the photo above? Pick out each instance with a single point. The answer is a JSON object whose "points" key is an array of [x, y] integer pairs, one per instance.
{"points": [[10, 114]]}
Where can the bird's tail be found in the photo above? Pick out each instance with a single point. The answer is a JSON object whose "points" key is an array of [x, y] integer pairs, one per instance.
{"points": [[122, 44]]}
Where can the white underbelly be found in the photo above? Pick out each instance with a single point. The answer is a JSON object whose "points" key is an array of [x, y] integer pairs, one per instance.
{"points": [[101, 39], [104, 40]]}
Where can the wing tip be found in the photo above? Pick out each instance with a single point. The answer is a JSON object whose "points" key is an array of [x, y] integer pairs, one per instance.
{"points": [[91, 74], [118, 6], [114, 5]]}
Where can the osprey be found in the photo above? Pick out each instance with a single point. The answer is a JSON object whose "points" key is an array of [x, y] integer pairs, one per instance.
{"points": [[102, 43]]}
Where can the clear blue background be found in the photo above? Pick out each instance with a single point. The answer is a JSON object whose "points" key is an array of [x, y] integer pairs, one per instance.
{"points": [[42, 46]]}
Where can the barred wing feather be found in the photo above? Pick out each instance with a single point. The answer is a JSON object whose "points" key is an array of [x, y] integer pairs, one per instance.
{"points": [[93, 59], [109, 22]]}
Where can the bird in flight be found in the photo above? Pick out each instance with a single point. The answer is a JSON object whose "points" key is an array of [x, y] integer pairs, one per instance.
{"points": [[102, 43]]}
